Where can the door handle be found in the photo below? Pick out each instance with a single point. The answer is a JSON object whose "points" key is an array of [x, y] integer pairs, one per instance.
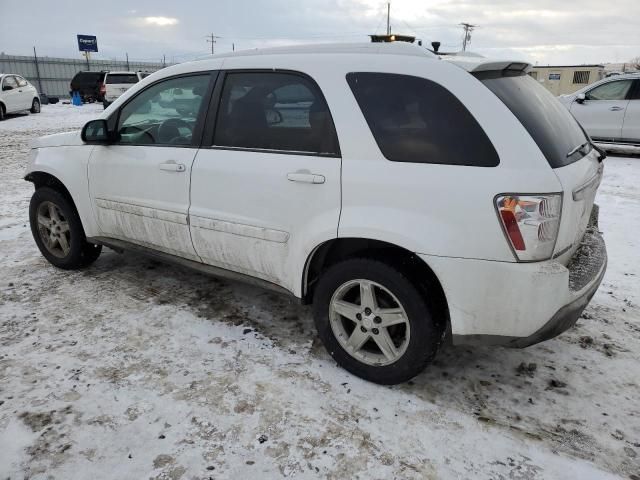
{"points": [[305, 177], [616, 109], [172, 166]]}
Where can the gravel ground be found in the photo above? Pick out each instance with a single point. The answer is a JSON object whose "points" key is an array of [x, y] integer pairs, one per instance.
{"points": [[136, 369]]}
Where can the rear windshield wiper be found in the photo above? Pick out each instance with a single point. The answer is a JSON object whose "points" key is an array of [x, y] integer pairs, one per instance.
{"points": [[578, 148]]}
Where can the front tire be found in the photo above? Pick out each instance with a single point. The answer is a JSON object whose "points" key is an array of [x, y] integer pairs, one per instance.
{"points": [[35, 106], [57, 231], [375, 322], [2, 112]]}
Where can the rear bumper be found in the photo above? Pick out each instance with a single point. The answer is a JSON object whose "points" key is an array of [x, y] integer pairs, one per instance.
{"points": [[516, 304]]}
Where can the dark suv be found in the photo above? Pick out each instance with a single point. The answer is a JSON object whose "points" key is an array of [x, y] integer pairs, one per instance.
{"points": [[89, 84]]}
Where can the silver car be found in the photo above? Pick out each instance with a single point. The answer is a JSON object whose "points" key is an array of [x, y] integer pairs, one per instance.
{"points": [[609, 110]]}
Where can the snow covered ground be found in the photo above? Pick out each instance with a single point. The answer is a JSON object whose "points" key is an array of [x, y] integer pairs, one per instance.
{"points": [[135, 369]]}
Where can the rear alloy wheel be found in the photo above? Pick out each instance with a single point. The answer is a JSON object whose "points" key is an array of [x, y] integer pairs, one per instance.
{"points": [[57, 231], [35, 106], [375, 322]]}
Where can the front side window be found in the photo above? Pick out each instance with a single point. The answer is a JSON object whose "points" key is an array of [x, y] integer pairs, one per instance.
{"points": [[610, 91], [165, 113], [274, 111], [10, 81], [416, 120]]}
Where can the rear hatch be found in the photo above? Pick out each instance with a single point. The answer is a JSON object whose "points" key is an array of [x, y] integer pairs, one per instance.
{"points": [[118, 83], [561, 140]]}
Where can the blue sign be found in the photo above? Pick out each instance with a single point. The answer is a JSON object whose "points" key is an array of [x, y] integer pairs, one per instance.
{"points": [[87, 43], [554, 76]]}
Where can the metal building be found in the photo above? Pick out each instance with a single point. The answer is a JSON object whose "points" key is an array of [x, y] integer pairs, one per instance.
{"points": [[52, 75]]}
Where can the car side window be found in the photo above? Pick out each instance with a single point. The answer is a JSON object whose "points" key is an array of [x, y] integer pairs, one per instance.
{"points": [[635, 95], [10, 81], [417, 120], [274, 111], [21, 81], [617, 90], [164, 113]]}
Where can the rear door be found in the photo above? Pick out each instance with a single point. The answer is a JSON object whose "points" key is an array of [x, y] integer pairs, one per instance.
{"points": [[139, 186], [631, 125], [603, 110], [267, 177]]}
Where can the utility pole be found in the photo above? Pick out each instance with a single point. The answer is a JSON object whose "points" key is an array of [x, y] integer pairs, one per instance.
{"points": [[466, 39], [127, 54], [212, 40], [35, 56], [388, 18], [164, 60]]}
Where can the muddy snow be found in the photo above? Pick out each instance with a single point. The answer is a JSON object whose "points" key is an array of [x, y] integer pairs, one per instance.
{"points": [[135, 369]]}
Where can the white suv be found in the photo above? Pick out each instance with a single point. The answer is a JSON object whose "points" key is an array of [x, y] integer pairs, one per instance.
{"points": [[17, 95], [403, 195], [116, 83]]}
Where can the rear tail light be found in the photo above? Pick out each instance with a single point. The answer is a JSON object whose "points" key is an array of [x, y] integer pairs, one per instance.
{"points": [[103, 89], [531, 224]]}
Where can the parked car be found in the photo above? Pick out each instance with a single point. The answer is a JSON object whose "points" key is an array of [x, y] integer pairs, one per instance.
{"points": [[402, 195], [17, 95], [89, 85], [116, 83], [609, 110]]}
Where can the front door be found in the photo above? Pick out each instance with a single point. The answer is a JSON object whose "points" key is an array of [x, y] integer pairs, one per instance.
{"points": [[10, 95], [269, 180], [602, 112], [140, 185]]}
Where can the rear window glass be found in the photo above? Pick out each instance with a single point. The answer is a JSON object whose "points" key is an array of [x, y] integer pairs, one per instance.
{"points": [[548, 122], [120, 78], [416, 120]]}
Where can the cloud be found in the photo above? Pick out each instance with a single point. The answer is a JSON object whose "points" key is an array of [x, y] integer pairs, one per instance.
{"points": [[160, 21]]}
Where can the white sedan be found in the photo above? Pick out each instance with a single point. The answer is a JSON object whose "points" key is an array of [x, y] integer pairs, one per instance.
{"points": [[17, 95], [609, 110]]}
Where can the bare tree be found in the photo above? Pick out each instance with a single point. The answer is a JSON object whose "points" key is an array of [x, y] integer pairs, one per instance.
{"points": [[635, 63]]}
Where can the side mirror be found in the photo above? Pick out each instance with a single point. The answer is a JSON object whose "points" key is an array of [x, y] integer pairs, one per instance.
{"points": [[581, 97], [96, 132], [7, 87]]}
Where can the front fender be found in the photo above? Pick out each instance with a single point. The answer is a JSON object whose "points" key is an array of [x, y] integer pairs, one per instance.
{"points": [[68, 164]]}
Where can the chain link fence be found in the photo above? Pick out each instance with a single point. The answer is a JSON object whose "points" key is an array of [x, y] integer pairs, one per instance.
{"points": [[52, 75]]}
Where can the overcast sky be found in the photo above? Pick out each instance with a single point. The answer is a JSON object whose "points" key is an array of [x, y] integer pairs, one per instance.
{"points": [[542, 31]]}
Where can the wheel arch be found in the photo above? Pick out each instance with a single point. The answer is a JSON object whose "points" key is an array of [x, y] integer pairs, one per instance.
{"points": [[335, 250], [44, 179]]}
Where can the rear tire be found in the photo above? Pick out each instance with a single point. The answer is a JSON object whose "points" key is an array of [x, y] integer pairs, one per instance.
{"points": [[387, 337], [57, 231], [2, 112], [35, 106]]}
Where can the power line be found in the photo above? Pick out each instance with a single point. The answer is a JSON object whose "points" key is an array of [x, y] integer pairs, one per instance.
{"points": [[466, 39], [212, 40]]}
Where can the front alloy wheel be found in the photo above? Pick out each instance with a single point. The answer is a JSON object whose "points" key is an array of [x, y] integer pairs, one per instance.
{"points": [[54, 230]]}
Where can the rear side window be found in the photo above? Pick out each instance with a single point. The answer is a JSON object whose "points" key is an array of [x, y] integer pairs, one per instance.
{"points": [[122, 78], [274, 111], [21, 82], [549, 123], [416, 120]]}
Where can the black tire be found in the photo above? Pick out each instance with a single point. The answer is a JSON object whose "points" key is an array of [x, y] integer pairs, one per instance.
{"points": [[426, 333], [35, 106], [105, 104], [2, 112], [80, 252]]}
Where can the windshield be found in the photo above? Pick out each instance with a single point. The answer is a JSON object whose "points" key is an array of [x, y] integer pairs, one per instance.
{"points": [[552, 127]]}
